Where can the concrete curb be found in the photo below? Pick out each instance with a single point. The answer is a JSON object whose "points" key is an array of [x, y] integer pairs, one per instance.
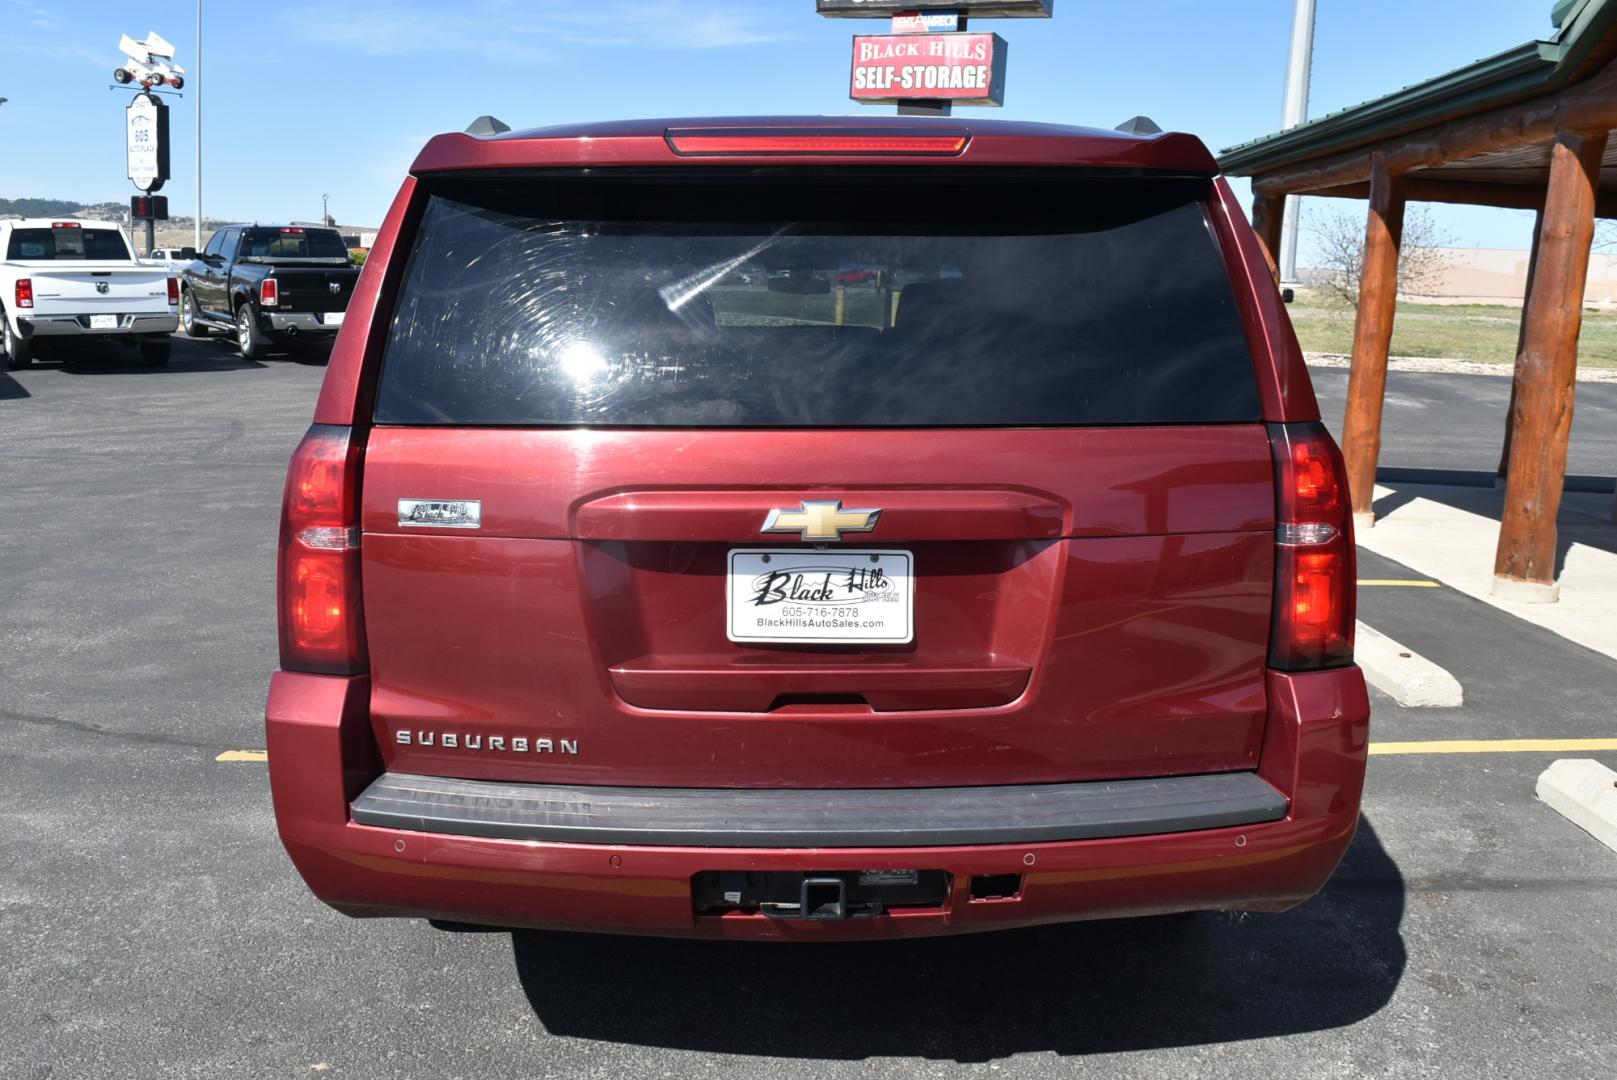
{"points": [[1412, 680], [1433, 365], [1585, 793]]}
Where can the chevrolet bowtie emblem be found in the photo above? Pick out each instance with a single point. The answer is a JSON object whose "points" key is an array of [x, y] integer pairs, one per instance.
{"points": [[821, 520]]}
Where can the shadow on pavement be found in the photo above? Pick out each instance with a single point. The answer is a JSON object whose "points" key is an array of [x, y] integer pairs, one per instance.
{"points": [[1078, 989], [1574, 526], [188, 356], [11, 389], [1480, 478], [120, 361], [312, 355]]}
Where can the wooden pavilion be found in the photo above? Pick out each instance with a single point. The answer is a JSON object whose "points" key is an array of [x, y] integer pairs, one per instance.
{"points": [[1527, 129]]}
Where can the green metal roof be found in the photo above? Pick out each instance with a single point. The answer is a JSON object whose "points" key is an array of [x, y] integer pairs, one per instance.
{"points": [[1527, 71]]}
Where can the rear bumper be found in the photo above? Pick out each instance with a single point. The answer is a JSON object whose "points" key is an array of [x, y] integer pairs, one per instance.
{"points": [[809, 818], [31, 326], [297, 322], [322, 759]]}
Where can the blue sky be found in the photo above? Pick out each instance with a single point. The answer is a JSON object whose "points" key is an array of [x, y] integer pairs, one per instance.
{"points": [[311, 98]]}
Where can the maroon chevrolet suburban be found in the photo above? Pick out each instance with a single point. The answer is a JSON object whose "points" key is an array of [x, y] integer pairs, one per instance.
{"points": [[643, 572]]}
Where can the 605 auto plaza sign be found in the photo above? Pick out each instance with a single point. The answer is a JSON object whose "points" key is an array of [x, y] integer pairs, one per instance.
{"points": [[146, 141], [962, 69]]}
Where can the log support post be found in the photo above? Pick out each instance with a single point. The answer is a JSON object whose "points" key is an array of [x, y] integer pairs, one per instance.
{"points": [[1521, 341], [1372, 338], [1546, 372], [1267, 214]]}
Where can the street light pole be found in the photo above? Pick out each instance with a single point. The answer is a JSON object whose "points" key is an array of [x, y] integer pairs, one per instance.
{"points": [[1295, 110], [197, 242]]}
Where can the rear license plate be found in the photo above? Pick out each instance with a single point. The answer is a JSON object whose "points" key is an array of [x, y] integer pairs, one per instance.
{"points": [[842, 597], [103, 322], [889, 877], [332, 318]]}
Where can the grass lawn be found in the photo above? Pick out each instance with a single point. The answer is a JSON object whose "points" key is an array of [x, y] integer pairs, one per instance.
{"points": [[1481, 332], [757, 306]]}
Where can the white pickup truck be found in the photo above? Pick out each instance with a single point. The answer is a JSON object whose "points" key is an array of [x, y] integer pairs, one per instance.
{"points": [[79, 280]]}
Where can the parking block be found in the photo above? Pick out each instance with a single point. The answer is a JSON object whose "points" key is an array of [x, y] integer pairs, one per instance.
{"points": [[1584, 792], [1406, 676]]}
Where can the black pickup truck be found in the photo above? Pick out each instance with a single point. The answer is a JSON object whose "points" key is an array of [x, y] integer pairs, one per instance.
{"points": [[268, 284]]}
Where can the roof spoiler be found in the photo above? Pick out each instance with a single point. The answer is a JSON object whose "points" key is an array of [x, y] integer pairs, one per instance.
{"points": [[487, 125], [1139, 125]]}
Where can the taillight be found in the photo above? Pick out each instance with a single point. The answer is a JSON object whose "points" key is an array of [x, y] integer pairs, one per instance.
{"points": [[321, 627], [697, 142], [269, 293], [173, 292], [1315, 561], [25, 292]]}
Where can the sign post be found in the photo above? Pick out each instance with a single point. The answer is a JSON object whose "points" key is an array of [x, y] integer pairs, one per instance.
{"points": [[149, 62], [146, 149]]}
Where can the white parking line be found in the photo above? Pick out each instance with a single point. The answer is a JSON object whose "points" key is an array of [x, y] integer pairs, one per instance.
{"points": [[1408, 677]]}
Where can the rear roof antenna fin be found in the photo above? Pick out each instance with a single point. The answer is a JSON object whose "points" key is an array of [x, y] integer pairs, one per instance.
{"points": [[487, 125], [1139, 125]]}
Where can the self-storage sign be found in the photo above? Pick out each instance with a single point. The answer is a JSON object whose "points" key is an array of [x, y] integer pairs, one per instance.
{"points": [[961, 69]]}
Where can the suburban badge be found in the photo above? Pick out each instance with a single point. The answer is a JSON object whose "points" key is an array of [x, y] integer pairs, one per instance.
{"points": [[460, 740]]}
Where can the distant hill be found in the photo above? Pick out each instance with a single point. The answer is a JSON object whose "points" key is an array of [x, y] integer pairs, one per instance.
{"points": [[40, 207], [102, 211], [177, 231], [105, 211]]}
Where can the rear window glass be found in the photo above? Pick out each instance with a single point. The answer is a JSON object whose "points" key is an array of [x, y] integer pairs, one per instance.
{"points": [[67, 244], [292, 244], [909, 302]]}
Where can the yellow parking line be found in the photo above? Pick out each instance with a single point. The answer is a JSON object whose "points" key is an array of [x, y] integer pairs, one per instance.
{"points": [[1495, 746], [1407, 583], [243, 755]]}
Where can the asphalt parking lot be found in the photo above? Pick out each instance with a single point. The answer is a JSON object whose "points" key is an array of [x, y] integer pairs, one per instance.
{"points": [[152, 926], [1454, 423]]}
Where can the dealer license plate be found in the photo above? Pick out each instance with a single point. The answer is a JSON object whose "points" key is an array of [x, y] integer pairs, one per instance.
{"points": [[845, 597], [103, 322], [332, 318]]}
